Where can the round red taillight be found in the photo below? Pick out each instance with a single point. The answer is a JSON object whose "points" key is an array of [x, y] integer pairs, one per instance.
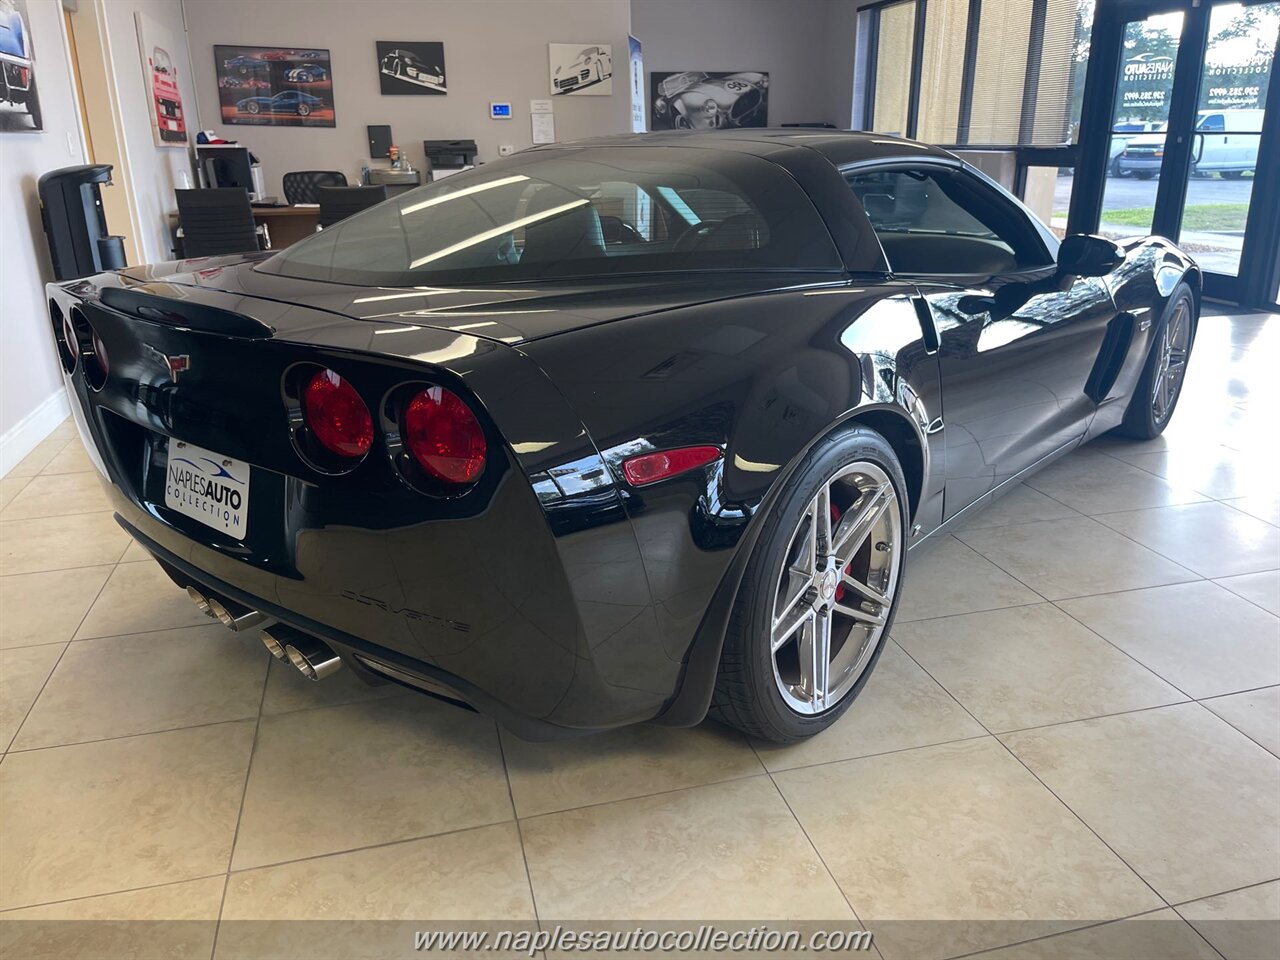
{"points": [[337, 415], [70, 339], [444, 436], [100, 355]]}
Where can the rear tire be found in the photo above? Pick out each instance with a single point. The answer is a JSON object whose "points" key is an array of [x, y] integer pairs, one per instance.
{"points": [[774, 681], [1156, 396]]}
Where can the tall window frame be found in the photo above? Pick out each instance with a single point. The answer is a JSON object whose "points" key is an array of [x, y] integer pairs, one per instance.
{"points": [[869, 17]]}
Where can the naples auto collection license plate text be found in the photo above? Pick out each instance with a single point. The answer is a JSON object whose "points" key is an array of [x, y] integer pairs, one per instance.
{"points": [[208, 487]]}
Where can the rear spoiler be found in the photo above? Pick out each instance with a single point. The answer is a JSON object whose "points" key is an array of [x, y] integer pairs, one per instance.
{"points": [[183, 313]]}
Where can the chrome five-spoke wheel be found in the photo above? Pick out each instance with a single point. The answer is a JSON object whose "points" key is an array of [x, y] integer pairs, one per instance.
{"points": [[835, 591]]}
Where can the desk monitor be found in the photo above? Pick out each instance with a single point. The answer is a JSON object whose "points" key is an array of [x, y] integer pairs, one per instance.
{"points": [[226, 167]]}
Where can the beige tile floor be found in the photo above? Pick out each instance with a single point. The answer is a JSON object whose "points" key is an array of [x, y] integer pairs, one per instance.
{"points": [[1071, 747]]}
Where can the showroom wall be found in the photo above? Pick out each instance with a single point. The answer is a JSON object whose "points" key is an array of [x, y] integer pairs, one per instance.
{"points": [[156, 171], [494, 50], [30, 390], [786, 40], [31, 399]]}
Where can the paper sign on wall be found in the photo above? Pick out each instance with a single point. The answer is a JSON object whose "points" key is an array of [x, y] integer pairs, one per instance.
{"points": [[544, 127]]}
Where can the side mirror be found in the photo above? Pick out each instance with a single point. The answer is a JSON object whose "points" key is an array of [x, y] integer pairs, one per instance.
{"points": [[1084, 255]]}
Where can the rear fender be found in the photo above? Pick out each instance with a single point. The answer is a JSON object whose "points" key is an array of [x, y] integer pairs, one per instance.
{"points": [[764, 378]]}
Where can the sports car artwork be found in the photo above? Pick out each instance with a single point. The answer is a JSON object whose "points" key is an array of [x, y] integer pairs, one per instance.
{"points": [[166, 98], [307, 73], [19, 98], [581, 69], [289, 102], [602, 433], [697, 100], [411, 68], [290, 86]]}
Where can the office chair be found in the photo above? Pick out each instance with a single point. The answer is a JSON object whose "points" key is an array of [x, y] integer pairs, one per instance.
{"points": [[302, 186], [216, 221], [338, 203]]}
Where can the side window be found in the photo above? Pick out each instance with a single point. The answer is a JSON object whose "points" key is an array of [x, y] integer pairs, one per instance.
{"points": [[1213, 121], [944, 224]]}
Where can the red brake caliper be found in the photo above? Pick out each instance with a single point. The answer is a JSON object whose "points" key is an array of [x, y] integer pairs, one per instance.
{"points": [[836, 513]]}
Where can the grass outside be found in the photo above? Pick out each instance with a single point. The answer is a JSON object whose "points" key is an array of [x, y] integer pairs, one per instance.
{"points": [[1202, 216]]}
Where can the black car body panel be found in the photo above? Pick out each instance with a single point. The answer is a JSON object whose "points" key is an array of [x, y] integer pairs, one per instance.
{"points": [[554, 594]]}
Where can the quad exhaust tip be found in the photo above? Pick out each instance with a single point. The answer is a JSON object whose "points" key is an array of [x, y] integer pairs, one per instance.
{"points": [[232, 615], [200, 600], [314, 660], [273, 643]]}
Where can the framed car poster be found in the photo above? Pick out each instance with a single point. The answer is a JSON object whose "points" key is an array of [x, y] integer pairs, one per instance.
{"points": [[411, 69], [160, 77], [701, 100], [19, 99], [274, 86], [581, 68]]}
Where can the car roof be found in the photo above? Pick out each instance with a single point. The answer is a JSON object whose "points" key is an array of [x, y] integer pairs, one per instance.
{"points": [[840, 147]]}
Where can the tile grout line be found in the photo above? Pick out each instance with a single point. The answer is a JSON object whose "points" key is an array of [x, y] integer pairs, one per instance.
{"points": [[1242, 597], [1151, 670], [1093, 517], [1207, 710], [1066, 806], [1088, 926], [108, 893], [244, 793], [1084, 823], [812, 846], [1182, 566], [46, 516], [130, 736], [1055, 605], [515, 815], [36, 699]]}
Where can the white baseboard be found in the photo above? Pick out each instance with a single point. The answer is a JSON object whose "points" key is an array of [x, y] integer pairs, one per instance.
{"points": [[20, 439]]}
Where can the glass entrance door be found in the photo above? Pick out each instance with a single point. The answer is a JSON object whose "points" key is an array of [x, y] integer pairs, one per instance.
{"points": [[1187, 130], [1140, 123], [1217, 194]]}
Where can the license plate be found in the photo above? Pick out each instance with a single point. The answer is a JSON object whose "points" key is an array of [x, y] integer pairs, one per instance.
{"points": [[208, 487]]}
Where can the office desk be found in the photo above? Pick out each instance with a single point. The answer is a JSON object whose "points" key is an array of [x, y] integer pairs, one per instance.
{"points": [[286, 225]]}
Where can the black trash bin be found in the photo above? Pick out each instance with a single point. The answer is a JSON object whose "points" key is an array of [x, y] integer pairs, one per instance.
{"points": [[74, 222]]}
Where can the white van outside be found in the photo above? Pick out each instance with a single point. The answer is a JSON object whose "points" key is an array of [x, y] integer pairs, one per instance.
{"points": [[1226, 142]]}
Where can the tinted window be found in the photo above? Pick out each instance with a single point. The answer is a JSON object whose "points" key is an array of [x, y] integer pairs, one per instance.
{"points": [[1213, 121], [576, 213], [931, 222]]}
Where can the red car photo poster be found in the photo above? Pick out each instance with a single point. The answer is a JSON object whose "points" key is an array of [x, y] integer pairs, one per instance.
{"points": [[158, 50]]}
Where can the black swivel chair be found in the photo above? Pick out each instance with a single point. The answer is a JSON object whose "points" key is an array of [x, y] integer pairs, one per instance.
{"points": [[303, 186], [338, 203], [216, 221]]}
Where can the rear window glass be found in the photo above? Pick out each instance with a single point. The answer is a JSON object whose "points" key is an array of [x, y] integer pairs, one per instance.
{"points": [[575, 213]]}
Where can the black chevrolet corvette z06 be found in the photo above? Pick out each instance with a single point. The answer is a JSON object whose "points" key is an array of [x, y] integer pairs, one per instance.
{"points": [[639, 428]]}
